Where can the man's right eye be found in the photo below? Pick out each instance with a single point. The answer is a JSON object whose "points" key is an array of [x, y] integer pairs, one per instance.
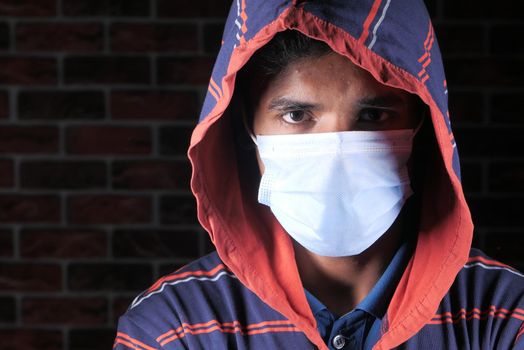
{"points": [[294, 117]]}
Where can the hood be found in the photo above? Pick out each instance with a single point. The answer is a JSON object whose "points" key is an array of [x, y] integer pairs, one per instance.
{"points": [[395, 42]]}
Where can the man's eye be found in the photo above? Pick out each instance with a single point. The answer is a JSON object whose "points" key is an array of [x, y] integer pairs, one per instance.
{"points": [[294, 117], [374, 115]]}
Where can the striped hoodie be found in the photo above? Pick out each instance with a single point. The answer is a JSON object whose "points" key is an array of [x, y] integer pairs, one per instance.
{"points": [[248, 294]]}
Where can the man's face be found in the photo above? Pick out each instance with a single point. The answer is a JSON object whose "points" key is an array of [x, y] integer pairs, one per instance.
{"points": [[329, 94]]}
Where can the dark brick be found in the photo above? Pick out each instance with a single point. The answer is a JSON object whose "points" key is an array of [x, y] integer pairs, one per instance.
{"points": [[90, 339], [6, 173], [28, 70], [4, 36], [213, 37], [147, 37], [114, 8], [109, 209], [6, 244], [502, 39], [18, 208], [25, 277], [62, 174], [472, 176], [28, 139], [206, 8], [482, 9], [184, 70], [460, 39], [7, 310], [25, 339], [107, 140], [505, 107], [482, 72], [174, 140], [52, 37], [466, 107], [109, 277], [61, 105], [120, 306], [506, 176], [107, 70], [4, 104], [63, 243], [489, 142], [495, 211], [18, 8], [178, 210], [147, 105], [155, 243], [169, 268], [505, 247], [66, 311], [151, 175]]}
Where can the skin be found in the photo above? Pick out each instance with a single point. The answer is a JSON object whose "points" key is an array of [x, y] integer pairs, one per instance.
{"points": [[331, 94]]}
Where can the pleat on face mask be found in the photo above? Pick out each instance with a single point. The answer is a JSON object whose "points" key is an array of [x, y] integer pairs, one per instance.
{"points": [[336, 193]]}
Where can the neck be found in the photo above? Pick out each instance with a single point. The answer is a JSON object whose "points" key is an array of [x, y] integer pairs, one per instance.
{"points": [[341, 283]]}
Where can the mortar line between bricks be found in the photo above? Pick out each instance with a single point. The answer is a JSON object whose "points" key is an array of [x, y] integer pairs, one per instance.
{"points": [[97, 261], [18, 310], [153, 10], [155, 208], [104, 227], [60, 58], [94, 158], [13, 107], [147, 20], [59, 8], [11, 25], [96, 192], [104, 123], [106, 35], [16, 243]]}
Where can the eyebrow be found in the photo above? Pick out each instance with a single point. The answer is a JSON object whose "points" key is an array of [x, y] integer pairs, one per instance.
{"points": [[283, 103], [384, 101]]}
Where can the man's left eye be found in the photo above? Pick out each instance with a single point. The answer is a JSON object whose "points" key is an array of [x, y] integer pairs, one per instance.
{"points": [[373, 115]]}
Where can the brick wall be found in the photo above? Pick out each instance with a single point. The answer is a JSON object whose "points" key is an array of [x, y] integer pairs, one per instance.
{"points": [[97, 102]]}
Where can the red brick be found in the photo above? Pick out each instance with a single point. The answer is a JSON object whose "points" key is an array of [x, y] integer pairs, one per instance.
{"points": [[109, 277], [25, 339], [20, 8], [28, 139], [107, 70], [62, 174], [28, 70], [489, 142], [66, 311], [151, 175], [502, 42], [460, 38], [52, 105], [504, 107], [30, 277], [184, 70], [6, 173], [6, 244], [174, 140], [146, 37], [62, 243], [18, 208], [98, 338], [4, 104], [147, 105], [109, 209], [51, 37], [481, 9], [119, 8], [472, 176], [204, 8], [107, 140], [149, 244], [178, 210], [491, 211]]}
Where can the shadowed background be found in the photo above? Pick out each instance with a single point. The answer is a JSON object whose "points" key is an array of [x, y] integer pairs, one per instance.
{"points": [[97, 102]]}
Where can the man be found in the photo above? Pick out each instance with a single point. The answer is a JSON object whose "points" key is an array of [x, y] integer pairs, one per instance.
{"points": [[342, 224]]}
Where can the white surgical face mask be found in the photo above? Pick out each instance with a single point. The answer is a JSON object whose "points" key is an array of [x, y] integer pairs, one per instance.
{"points": [[336, 193]]}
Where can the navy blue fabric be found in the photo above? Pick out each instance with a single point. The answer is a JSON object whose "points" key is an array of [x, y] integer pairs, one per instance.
{"points": [[216, 301], [360, 327]]}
